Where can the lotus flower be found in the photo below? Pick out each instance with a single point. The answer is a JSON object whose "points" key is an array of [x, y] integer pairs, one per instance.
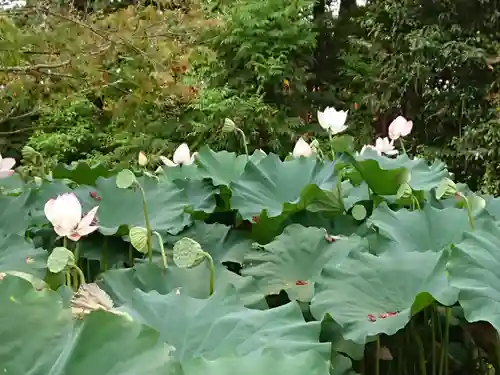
{"points": [[6, 166], [142, 159], [65, 214], [182, 156], [332, 121], [302, 148], [400, 127], [382, 146]]}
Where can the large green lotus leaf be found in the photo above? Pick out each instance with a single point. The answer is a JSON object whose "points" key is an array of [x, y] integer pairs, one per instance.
{"points": [[19, 254], [81, 172], [12, 183], [493, 207], [366, 284], [265, 363], [294, 260], [427, 229], [121, 283], [223, 167], [223, 243], [384, 175], [222, 326], [39, 336], [277, 186], [167, 205], [14, 213], [474, 269]]}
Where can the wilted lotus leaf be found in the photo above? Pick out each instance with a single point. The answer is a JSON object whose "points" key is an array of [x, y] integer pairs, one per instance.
{"points": [[90, 297], [187, 253], [139, 239]]}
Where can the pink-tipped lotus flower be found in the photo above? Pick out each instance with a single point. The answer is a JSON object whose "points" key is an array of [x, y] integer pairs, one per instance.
{"points": [[65, 214], [400, 127], [6, 166]]}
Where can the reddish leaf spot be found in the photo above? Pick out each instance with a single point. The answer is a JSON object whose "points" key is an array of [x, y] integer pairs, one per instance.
{"points": [[93, 194], [372, 318], [29, 260], [458, 196], [301, 282], [392, 313], [329, 239], [383, 315], [356, 106], [255, 219]]}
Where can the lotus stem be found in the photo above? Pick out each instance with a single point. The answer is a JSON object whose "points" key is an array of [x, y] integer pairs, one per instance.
{"points": [[469, 212], [130, 254], [331, 145], [443, 365], [402, 145], [243, 138], [420, 345], [433, 337], [104, 258], [162, 248], [417, 203], [212, 271], [67, 275], [82, 276], [149, 239]]}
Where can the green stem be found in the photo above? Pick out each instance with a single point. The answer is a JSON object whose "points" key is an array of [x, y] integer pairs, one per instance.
{"points": [[417, 203], [469, 212], [212, 271], [65, 242], [433, 333], [244, 139], [81, 275], [148, 225], [104, 258], [67, 274], [443, 365], [76, 252], [377, 360], [130, 254], [402, 145], [162, 248], [331, 145], [420, 345]]}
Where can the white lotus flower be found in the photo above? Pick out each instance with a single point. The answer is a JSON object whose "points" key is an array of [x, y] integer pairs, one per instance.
{"points": [[142, 159], [332, 121], [65, 214], [384, 146], [6, 166], [400, 127], [182, 156], [302, 148]]}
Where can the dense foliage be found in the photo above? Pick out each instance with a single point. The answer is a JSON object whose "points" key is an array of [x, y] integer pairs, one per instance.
{"points": [[248, 263]]}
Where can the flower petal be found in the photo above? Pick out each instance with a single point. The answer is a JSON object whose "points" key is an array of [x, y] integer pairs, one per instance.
{"points": [[167, 162], [65, 211], [49, 210], [7, 163], [62, 231], [302, 148], [85, 226], [7, 173], [182, 155]]}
